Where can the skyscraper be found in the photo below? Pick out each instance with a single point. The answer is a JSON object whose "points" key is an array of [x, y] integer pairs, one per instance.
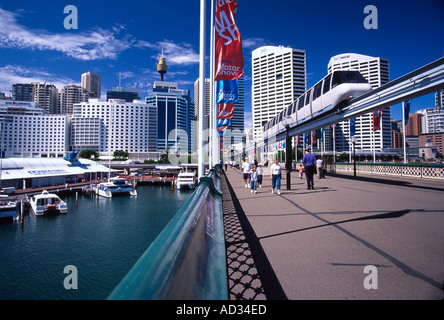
{"points": [[47, 95], [175, 111], [278, 79], [376, 71], [92, 83], [70, 95]]}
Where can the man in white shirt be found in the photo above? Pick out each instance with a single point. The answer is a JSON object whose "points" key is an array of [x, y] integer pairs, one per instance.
{"points": [[319, 164], [246, 168], [276, 176]]}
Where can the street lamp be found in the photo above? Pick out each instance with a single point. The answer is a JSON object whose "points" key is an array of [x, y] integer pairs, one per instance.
{"points": [[287, 122], [354, 140]]}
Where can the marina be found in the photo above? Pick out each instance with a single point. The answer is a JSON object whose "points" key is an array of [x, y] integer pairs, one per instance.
{"points": [[101, 237]]}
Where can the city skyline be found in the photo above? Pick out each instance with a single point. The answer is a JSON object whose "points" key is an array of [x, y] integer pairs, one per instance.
{"points": [[113, 39]]}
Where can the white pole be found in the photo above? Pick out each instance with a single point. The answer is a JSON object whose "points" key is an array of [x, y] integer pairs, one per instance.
{"points": [[403, 131], [213, 107], [202, 48]]}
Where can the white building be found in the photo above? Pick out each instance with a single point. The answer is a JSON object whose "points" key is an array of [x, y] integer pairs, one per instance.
{"points": [[114, 125], [376, 71], [278, 79], [432, 120], [27, 131]]}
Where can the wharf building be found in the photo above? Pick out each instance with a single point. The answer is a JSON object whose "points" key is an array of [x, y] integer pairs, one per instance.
{"points": [[376, 71], [28, 131], [114, 125], [278, 78]]}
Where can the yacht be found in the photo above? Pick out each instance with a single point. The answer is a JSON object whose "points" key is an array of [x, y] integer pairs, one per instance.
{"points": [[47, 203], [186, 180], [8, 209], [114, 187]]}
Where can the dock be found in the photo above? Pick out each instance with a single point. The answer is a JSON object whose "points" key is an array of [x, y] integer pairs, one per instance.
{"points": [[351, 237]]}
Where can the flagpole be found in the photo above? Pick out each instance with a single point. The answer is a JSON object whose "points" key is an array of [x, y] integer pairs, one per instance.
{"points": [[202, 48], [403, 131], [215, 145]]}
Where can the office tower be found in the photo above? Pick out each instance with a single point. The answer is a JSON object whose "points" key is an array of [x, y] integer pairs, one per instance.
{"points": [[69, 96], [127, 94], [47, 95], [413, 127], [114, 125], [22, 92], [278, 79], [92, 83], [197, 103], [376, 71], [175, 115]]}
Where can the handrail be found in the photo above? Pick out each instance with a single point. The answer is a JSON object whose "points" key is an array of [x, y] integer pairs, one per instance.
{"points": [[187, 261]]}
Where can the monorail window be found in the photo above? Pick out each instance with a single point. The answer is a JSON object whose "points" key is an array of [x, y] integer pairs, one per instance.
{"points": [[347, 77], [293, 107], [307, 97], [327, 84], [317, 91], [301, 102]]}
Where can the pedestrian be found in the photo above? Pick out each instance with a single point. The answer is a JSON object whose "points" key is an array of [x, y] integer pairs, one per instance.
{"points": [[301, 171], [276, 177], [259, 175], [319, 164], [309, 162], [226, 165], [254, 179], [246, 168]]}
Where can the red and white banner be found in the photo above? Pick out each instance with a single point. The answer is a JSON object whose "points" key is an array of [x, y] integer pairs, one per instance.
{"points": [[229, 59], [225, 111]]}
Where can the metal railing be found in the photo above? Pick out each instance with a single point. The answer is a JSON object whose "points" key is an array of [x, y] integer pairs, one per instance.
{"points": [[187, 261], [425, 171]]}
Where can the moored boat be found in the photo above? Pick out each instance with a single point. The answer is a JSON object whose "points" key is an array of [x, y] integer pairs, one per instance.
{"points": [[115, 187], [8, 209], [186, 180], [47, 203]]}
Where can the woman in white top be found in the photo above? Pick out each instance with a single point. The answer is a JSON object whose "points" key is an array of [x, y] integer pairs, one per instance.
{"points": [[276, 176]]}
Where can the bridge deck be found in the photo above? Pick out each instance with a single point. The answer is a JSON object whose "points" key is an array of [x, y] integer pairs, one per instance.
{"points": [[315, 244]]}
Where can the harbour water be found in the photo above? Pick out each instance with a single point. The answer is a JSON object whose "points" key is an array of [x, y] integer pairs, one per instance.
{"points": [[101, 237]]}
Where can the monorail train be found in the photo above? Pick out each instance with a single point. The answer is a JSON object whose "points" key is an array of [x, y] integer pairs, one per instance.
{"points": [[327, 94]]}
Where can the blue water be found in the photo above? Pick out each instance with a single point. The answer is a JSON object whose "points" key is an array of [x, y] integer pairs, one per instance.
{"points": [[102, 238]]}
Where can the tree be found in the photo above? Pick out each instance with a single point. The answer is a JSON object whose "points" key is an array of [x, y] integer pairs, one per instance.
{"points": [[87, 153], [120, 154]]}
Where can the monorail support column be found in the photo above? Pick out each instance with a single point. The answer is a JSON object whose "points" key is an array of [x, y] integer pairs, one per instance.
{"points": [[288, 158]]}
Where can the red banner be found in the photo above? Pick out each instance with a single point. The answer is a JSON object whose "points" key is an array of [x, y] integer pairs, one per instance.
{"points": [[377, 120], [225, 111], [229, 59]]}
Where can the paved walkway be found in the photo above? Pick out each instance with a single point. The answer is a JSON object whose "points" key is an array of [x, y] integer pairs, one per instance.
{"points": [[316, 244]]}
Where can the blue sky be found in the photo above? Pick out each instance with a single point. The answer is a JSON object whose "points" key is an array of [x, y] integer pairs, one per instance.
{"points": [[127, 37]]}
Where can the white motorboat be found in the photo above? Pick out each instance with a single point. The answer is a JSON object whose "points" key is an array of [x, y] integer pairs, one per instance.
{"points": [[8, 209], [186, 180], [47, 203], [114, 187]]}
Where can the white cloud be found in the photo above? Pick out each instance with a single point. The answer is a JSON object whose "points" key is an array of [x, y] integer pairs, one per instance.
{"points": [[94, 45], [175, 54], [17, 74]]}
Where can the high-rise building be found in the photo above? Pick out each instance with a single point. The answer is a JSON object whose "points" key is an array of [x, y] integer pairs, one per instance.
{"points": [[47, 95], [278, 78], [439, 99], [432, 120], [413, 127], [44, 94], [69, 96], [23, 92], [92, 83], [127, 94], [197, 103], [376, 71], [175, 115]]}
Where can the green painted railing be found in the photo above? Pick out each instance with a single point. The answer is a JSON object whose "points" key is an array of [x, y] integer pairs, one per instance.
{"points": [[187, 261]]}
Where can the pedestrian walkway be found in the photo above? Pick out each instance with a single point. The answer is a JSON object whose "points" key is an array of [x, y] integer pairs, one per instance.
{"points": [[318, 244]]}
